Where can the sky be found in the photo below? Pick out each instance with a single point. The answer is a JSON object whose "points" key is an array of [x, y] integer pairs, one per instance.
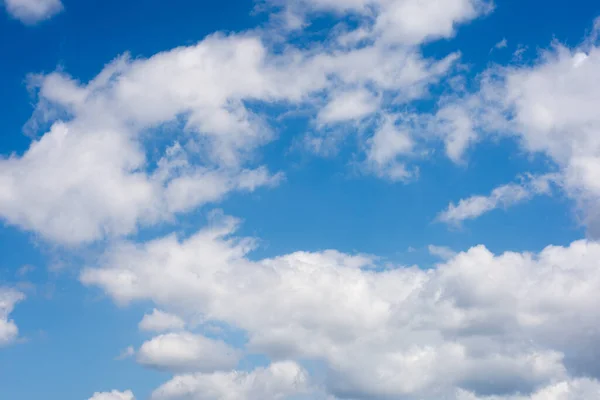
{"points": [[317, 199]]}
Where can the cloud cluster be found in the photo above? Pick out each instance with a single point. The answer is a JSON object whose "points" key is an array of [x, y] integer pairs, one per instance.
{"points": [[149, 139], [486, 324], [549, 107], [98, 170]]}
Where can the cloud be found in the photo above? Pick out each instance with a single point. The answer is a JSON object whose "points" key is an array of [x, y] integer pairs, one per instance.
{"points": [[390, 141], [185, 352], [566, 390], [24, 270], [406, 22], [8, 329], [443, 252], [501, 44], [527, 320], [278, 381], [79, 186], [477, 326], [114, 395], [160, 321], [348, 106], [33, 11], [100, 167], [553, 114], [502, 196], [125, 354], [548, 106], [99, 170], [89, 177]]}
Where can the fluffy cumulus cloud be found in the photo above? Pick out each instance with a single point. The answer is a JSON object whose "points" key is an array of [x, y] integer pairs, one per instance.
{"points": [[478, 324], [93, 174], [187, 352], [553, 103], [33, 11], [114, 395], [278, 381], [549, 106], [160, 321], [8, 329], [90, 176], [150, 139]]}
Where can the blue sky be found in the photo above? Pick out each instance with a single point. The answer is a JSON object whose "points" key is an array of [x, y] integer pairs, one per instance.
{"points": [[320, 199]]}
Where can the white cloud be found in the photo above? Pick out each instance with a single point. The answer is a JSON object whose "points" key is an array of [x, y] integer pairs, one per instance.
{"points": [[443, 252], [549, 106], [502, 196], [186, 352], [92, 175], [114, 395], [477, 326], [160, 321], [386, 145], [76, 186], [501, 44], [454, 125], [33, 11], [406, 22], [8, 329], [89, 177], [127, 353], [527, 320], [348, 106], [278, 382], [415, 21], [576, 389], [553, 104]]}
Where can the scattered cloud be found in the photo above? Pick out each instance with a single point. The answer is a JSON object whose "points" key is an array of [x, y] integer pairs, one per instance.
{"points": [[98, 171], [346, 106], [114, 395], [127, 353], [443, 252], [503, 196], [33, 11], [549, 107], [8, 329], [398, 22], [390, 141], [519, 52], [186, 352], [500, 45], [100, 130], [24, 270]]}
